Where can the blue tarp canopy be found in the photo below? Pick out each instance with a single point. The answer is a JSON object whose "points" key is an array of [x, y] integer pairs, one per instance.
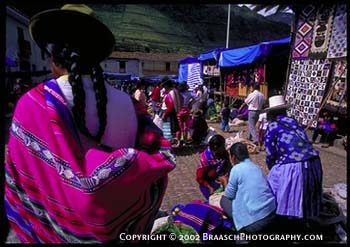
{"points": [[249, 54], [211, 54], [157, 78], [189, 60]]}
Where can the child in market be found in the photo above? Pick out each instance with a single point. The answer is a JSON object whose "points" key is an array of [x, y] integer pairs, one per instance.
{"points": [[225, 117], [261, 127]]}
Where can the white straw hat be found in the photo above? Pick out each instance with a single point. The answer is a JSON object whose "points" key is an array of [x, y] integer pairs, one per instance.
{"points": [[277, 102]]}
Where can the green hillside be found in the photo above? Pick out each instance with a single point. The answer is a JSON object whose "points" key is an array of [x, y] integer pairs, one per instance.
{"points": [[185, 28], [143, 28], [178, 28]]}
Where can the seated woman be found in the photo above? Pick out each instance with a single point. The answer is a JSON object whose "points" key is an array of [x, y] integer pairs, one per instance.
{"points": [[327, 128], [214, 163], [247, 199]]}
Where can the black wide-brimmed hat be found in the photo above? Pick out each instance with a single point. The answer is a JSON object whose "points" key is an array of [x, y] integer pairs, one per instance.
{"points": [[198, 113], [74, 26]]}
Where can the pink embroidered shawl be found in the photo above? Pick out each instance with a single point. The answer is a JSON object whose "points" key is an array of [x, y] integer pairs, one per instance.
{"points": [[56, 194]]}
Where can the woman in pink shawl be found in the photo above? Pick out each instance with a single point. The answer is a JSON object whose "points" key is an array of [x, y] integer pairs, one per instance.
{"points": [[84, 163]]}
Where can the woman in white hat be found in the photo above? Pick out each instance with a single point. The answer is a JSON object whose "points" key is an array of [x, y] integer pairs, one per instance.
{"points": [[85, 163], [295, 167]]}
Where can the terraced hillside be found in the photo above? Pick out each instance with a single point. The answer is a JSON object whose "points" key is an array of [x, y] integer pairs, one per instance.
{"points": [[144, 28], [178, 28], [185, 28]]}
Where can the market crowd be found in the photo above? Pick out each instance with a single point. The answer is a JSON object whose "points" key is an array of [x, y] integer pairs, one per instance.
{"points": [[86, 161]]}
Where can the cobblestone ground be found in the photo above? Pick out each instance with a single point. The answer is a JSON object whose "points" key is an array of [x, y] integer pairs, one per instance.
{"points": [[183, 187]]}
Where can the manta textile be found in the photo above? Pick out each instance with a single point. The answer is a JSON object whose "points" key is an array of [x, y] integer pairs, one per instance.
{"points": [[338, 44], [232, 90], [306, 87], [55, 193], [231, 85], [303, 36], [322, 32], [338, 97], [201, 216]]}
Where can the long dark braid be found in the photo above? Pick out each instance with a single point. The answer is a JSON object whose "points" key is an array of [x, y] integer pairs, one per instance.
{"points": [[70, 60], [101, 99], [78, 94]]}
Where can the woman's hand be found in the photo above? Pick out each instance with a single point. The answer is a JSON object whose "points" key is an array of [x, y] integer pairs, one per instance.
{"points": [[223, 180], [211, 190]]}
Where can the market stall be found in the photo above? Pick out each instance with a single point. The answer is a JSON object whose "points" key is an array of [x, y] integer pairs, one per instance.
{"points": [[264, 64], [317, 73], [211, 71]]}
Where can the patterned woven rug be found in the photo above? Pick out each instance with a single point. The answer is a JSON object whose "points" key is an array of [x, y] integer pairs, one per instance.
{"points": [[306, 87], [338, 98], [338, 44], [322, 32], [303, 37]]}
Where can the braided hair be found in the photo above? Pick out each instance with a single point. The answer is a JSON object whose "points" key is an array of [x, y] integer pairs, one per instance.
{"points": [[70, 60]]}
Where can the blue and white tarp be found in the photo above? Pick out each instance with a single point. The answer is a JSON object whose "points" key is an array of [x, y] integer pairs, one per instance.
{"points": [[190, 70], [249, 54], [211, 54]]}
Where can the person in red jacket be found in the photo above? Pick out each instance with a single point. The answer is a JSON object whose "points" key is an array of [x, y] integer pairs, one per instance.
{"points": [[172, 102], [214, 163], [155, 98]]}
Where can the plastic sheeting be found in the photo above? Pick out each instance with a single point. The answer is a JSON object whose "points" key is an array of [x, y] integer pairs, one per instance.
{"points": [[190, 70], [211, 54], [249, 54]]}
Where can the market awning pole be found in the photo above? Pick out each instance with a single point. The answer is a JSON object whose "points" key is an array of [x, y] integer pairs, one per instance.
{"points": [[228, 25], [222, 89]]}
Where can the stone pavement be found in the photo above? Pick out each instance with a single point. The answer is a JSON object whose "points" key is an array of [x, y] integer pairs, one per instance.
{"points": [[183, 187]]}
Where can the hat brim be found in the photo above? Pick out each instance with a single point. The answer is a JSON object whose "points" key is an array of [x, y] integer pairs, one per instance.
{"points": [[198, 113], [83, 33], [286, 106]]}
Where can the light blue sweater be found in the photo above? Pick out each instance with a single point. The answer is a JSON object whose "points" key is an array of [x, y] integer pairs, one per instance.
{"points": [[252, 199]]}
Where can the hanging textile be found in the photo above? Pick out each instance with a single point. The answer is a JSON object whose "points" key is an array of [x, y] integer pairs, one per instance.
{"points": [[259, 74], [231, 84], [242, 78], [232, 91], [191, 73], [303, 37], [338, 98], [248, 78], [322, 32], [229, 80], [338, 44], [306, 88]]}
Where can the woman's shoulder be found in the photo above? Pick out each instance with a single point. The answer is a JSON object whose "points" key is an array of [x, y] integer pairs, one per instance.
{"points": [[34, 94], [117, 94], [31, 101]]}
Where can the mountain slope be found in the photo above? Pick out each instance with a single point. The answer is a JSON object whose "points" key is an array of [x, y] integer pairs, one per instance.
{"points": [[185, 28], [178, 28]]}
